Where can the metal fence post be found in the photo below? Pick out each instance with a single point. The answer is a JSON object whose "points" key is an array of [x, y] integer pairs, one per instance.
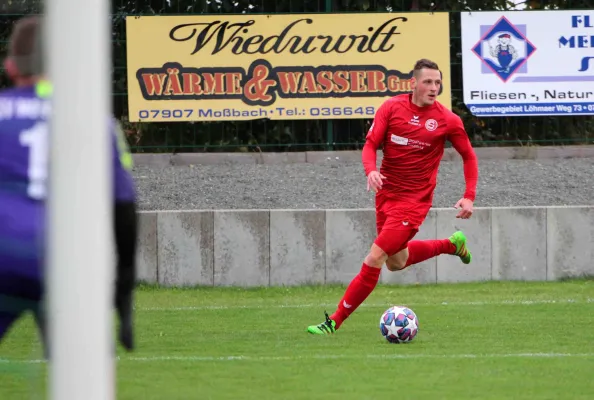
{"points": [[329, 123]]}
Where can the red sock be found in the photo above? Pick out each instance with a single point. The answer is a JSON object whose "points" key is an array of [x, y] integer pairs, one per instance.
{"points": [[421, 250], [357, 291]]}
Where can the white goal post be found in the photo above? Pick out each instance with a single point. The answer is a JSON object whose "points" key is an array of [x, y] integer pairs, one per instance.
{"points": [[77, 34]]}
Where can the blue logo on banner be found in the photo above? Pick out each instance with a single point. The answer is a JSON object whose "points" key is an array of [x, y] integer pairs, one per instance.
{"points": [[503, 49]]}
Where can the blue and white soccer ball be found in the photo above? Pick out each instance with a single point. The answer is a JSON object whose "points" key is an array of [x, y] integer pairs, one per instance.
{"points": [[399, 324]]}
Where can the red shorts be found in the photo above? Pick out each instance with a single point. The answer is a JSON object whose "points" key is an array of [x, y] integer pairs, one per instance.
{"points": [[397, 222]]}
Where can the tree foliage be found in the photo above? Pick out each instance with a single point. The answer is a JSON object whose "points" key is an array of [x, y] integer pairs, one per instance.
{"points": [[265, 135]]}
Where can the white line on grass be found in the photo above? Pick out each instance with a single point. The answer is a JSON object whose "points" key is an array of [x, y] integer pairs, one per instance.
{"points": [[358, 357], [154, 359], [321, 305]]}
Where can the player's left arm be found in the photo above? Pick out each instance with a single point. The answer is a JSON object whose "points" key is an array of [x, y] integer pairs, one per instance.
{"points": [[459, 138]]}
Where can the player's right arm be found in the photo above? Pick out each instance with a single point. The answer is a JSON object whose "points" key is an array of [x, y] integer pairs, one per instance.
{"points": [[374, 139]]}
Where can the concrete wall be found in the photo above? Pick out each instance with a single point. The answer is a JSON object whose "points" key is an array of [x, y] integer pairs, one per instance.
{"points": [[293, 247]]}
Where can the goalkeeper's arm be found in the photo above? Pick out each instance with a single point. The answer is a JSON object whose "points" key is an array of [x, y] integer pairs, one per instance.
{"points": [[126, 231]]}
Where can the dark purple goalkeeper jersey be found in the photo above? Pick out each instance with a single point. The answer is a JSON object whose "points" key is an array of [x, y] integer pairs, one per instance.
{"points": [[24, 150]]}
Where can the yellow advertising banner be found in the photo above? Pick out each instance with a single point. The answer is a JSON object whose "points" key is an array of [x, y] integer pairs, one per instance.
{"points": [[285, 66]]}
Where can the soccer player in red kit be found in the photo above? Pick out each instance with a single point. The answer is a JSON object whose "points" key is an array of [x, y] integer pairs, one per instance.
{"points": [[412, 129]]}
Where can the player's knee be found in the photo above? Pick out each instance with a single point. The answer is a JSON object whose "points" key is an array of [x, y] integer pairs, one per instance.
{"points": [[398, 261], [395, 264], [376, 257]]}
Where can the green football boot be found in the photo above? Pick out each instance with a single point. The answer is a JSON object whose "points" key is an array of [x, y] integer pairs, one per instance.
{"points": [[459, 240], [325, 328]]}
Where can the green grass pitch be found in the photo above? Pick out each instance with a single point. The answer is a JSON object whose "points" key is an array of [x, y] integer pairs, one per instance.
{"points": [[493, 340]]}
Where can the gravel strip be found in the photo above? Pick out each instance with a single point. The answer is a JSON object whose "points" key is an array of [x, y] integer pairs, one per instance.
{"points": [[321, 186]]}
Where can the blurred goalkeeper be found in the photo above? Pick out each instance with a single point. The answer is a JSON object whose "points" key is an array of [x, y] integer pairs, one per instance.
{"points": [[412, 129], [24, 152]]}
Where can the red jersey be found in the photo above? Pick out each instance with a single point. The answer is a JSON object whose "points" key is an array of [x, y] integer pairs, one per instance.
{"points": [[413, 140]]}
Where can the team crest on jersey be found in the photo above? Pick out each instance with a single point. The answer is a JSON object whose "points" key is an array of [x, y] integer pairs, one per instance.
{"points": [[431, 125]]}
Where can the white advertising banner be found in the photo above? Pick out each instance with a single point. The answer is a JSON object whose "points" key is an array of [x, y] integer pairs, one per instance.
{"points": [[522, 63]]}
